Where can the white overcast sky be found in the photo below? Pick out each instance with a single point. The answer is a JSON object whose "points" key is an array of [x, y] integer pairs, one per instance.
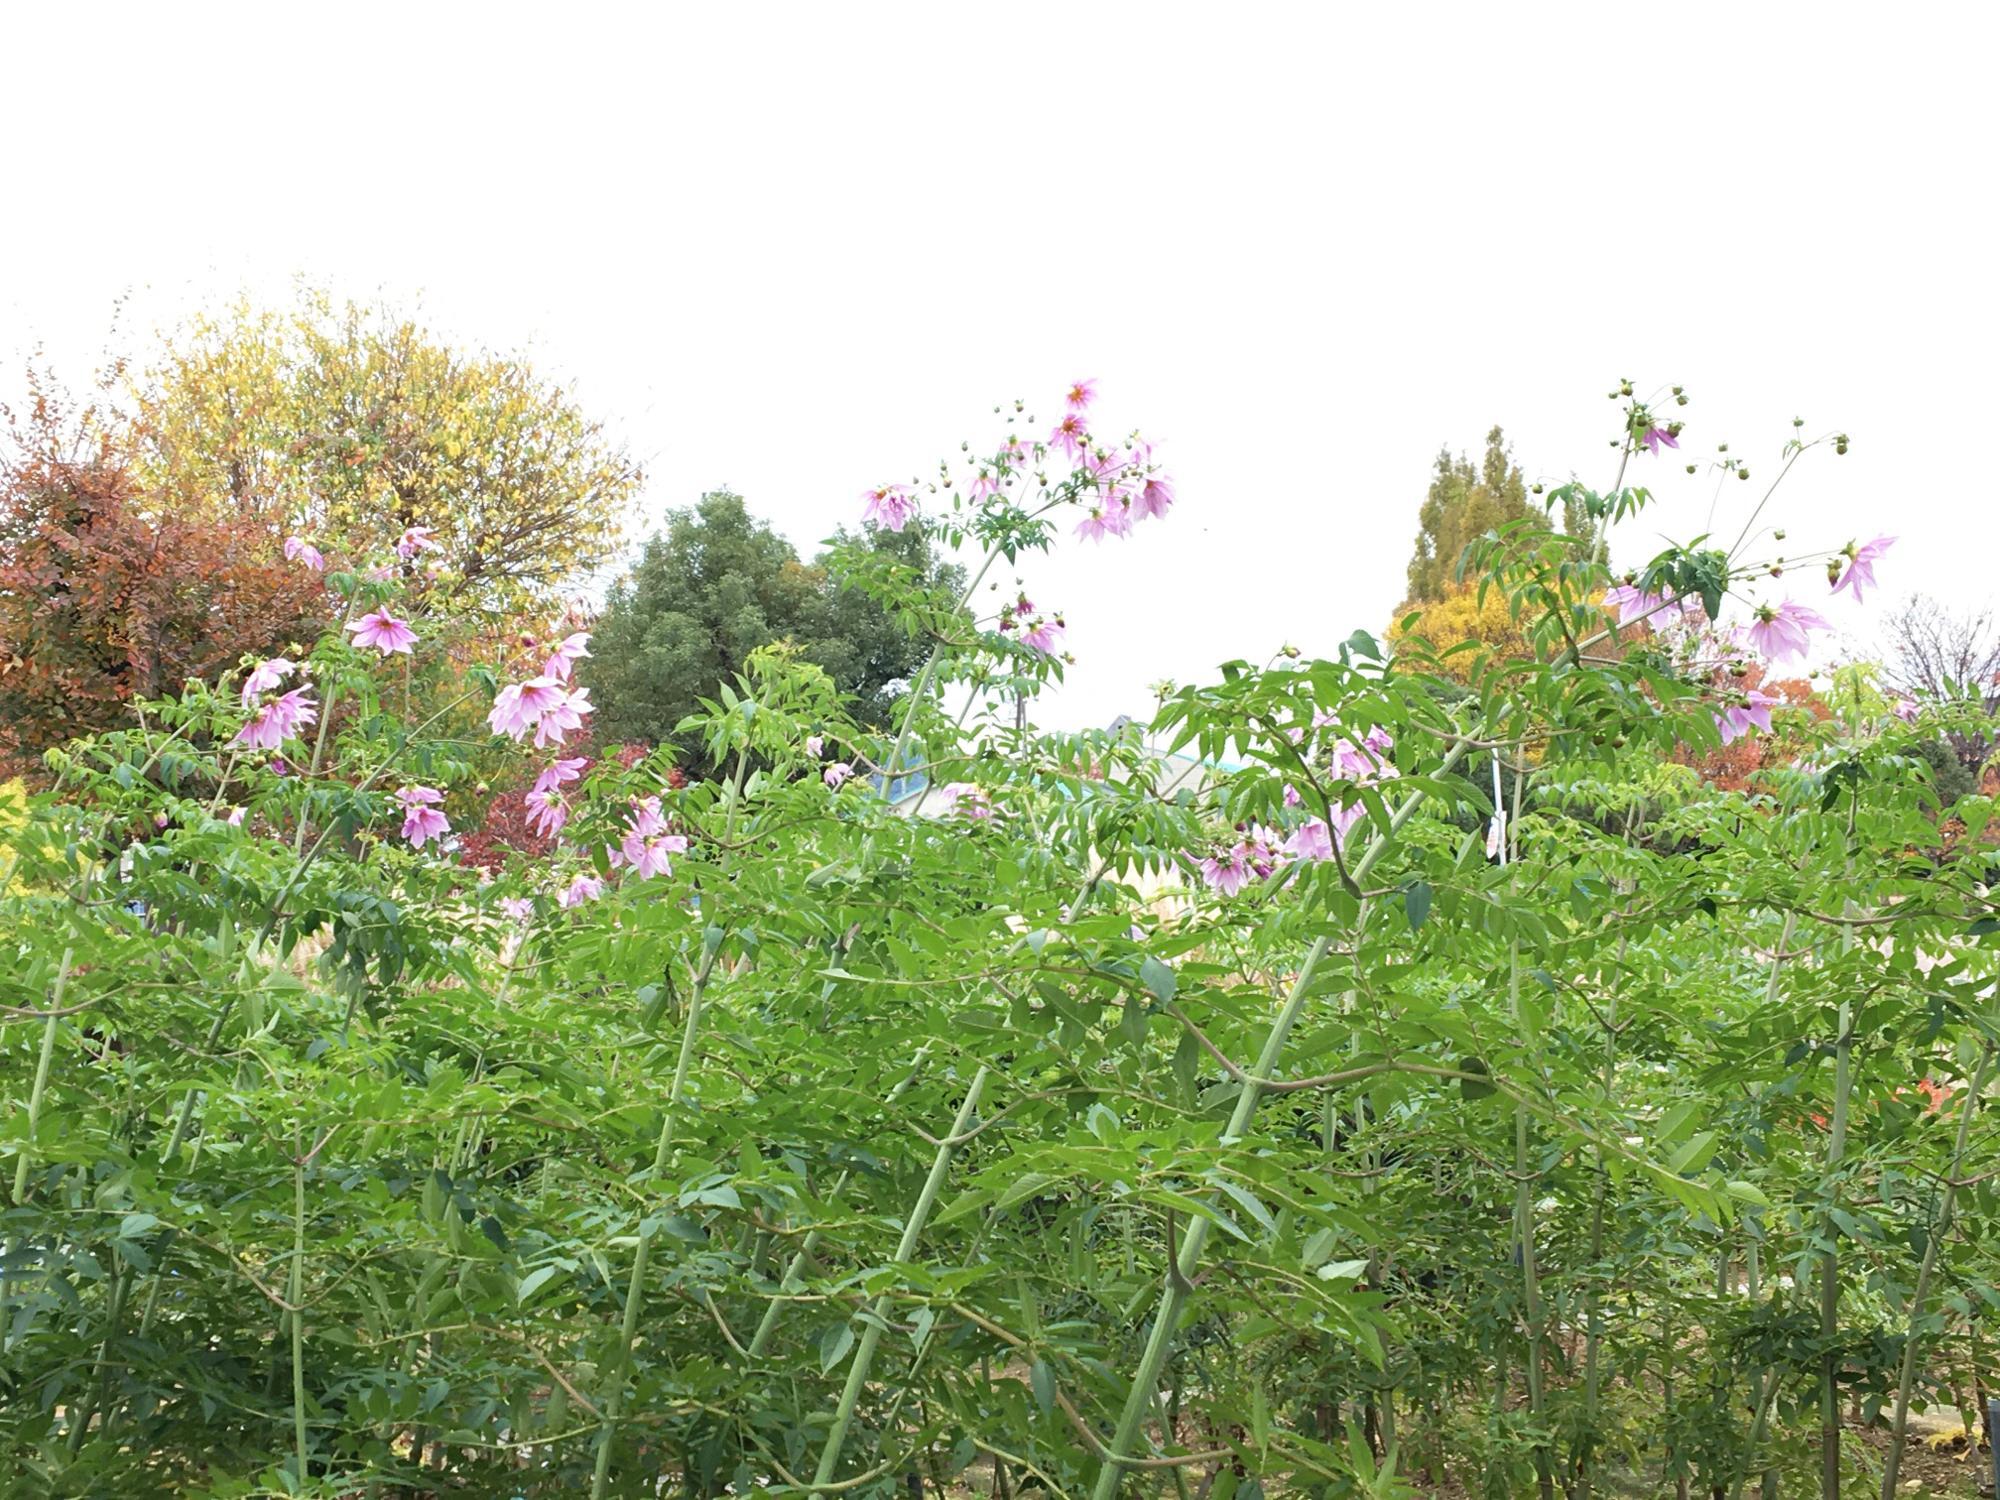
{"points": [[800, 249]]}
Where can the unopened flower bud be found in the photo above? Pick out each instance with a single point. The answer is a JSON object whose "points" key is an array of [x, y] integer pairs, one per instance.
{"points": [[1798, 421], [1677, 390], [1743, 473], [1624, 387], [1690, 468]]}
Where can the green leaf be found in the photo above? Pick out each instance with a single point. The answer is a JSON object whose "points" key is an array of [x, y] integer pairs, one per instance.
{"points": [[1342, 1270], [1416, 903], [834, 1344], [1158, 978]]}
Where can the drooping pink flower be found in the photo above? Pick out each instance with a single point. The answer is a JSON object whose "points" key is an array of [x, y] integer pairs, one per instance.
{"points": [[1734, 720], [563, 717], [560, 773], [519, 706], [1633, 603], [966, 799], [647, 857], [572, 649], [421, 818], [1227, 871], [1310, 840], [889, 506], [1861, 560], [1044, 636], [548, 812], [1013, 454], [382, 573], [985, 485], [835, 774], [1906, 710], [1656, 438], [1155, 497], [1496, 835], [265, 676], [298, 549], [1103, 522], [645, 820], [548, 808], [416, 539], [583, 888], [517, 908], [234, 817], [1081, 394], [279, 719], [815, 745], [1366, 760], [1071, 435], [1292, 797], [383, 631], [1784, 630]]}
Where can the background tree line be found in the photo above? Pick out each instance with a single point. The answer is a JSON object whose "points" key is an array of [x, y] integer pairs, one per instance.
{"points": [[142, 524]]}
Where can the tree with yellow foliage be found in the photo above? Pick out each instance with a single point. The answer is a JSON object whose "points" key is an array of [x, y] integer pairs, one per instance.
{"points": [[354, 422], [1461, 616]]}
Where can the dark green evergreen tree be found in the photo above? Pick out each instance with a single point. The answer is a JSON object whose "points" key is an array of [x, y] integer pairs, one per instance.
{"points": [[715, 585]]}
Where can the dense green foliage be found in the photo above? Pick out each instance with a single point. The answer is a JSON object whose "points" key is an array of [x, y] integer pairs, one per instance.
{"points": [[1635, 1133], [717, 584]]}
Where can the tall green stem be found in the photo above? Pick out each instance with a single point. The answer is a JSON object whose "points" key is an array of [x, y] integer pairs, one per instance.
{"points": [[40, 1086], [1913, 1340], [1187, 1259], [642, 1254], [921, 687], [1829, 1272], [1524, 1240], [1767, 1380], [295, 1294], [877, 1318]]}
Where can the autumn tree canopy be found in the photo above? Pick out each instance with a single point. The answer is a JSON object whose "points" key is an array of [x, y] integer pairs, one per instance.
{"points": [[107, 595], [354, 422]]}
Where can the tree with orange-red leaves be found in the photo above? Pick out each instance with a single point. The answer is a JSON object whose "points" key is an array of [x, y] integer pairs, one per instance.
{"points": [[1734, 766], [105, 598]]}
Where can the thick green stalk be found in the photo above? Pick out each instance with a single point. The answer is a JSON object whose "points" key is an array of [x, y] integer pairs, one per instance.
{"points": [[794, 1276], [1767, 1379], [642, 1254], [1524, 1240], [1913, 1340], [1187, 1260], [80, 1415], [921, 688], [1593, 1313], [295, 1294], [40, 1087], [1829, 1271], [871, 1334]]}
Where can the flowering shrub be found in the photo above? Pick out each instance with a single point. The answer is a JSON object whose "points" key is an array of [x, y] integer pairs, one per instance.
{"points": [[1140, 1113]]}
